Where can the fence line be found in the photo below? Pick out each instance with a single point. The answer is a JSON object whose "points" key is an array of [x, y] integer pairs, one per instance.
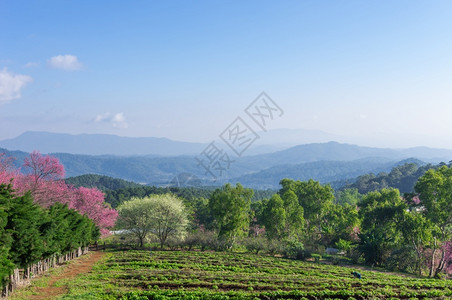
{"points": [[22, 277]]}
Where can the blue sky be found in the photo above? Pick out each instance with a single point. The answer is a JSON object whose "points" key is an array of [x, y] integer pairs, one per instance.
{"points": [[379, 72]]}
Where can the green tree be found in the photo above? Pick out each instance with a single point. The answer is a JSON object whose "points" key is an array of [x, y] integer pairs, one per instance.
{"points": [[275, 217], [350, 196], [24, 220], [294, 215], [380, 213], [230, 209], [170, 218], [161, 215], [341, 221], [435, 193], [315, 199], [6, 266], [417, 233]]}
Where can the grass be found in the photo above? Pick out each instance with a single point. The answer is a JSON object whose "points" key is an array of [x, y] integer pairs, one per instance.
{"points": [[209, 275], [39, 282]]}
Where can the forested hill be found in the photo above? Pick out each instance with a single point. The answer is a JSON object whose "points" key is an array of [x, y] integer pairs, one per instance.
{"points": [[325, 162], [118, 190], [402, 177], [101, 182], [337, 173], [190, 194]]}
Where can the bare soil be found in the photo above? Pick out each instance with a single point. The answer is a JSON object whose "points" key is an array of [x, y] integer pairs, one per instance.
{"points": [[78, 266]]}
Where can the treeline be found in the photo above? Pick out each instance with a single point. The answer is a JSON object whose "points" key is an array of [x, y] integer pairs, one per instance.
{"points": [[34, 238], [42, 176], [402, 177], [190, 194], [44, 221], [100, 182], [410, 232]]}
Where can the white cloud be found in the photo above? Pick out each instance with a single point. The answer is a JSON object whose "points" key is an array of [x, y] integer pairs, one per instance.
{"points": [[102, 117], [65, 62], [117, 120], [11, 85], [32, 64]]}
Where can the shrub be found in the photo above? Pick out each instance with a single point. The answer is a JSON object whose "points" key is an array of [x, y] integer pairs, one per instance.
{"points": [[275, 247], [403, 259], [255, 244], [295, 250], [317, 257], [344, 245]]}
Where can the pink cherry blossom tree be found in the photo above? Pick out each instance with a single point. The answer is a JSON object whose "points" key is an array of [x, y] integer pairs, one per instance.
{"points": [[7, 171], [43, 177], [91, 202], [45, 167]]}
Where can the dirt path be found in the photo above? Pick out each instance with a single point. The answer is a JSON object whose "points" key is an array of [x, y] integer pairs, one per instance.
{"points": [[76, 267]]}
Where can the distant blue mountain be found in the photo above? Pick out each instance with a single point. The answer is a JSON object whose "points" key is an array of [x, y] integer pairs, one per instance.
{"points": [[99, 144], [164, 159]]}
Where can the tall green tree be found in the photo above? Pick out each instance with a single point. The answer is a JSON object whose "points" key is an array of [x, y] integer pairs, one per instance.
{"points": [[24, 221], [6, 265], [161, 215], [230, 209], [348, 196], [294, 215], [380, 214], [170, 218], [435, 193], [340, 225], [417, 233], [315, 199], [274, 217]]}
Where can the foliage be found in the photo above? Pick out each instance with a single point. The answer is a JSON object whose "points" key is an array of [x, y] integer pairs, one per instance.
{"points": [[341, 221], [230, 209], [6, 265], [161, 215], [434, 189], [380, 212], [101, 182], [30, 232], [274, 216], [315, 200], [189, 194], [349, 196], [42, 178], [402, 177], [90, 202], [255, 244], [295, 250]]}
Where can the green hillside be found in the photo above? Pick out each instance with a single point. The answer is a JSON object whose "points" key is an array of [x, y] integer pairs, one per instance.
{"points": [[101, 182], [402, 177]]}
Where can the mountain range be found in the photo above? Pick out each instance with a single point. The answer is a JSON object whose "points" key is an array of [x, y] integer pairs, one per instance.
{"points": [[99, 144], [166, 159]]}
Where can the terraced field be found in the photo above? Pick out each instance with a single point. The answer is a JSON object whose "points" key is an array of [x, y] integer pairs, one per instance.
{"points": [[207, 275]]}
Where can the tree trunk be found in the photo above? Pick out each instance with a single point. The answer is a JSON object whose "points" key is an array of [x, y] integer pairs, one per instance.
{"points": [[441, 262], [432, 263]]}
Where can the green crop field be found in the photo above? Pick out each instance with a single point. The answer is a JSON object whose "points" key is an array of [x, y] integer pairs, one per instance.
{"points": [[209, 275]]}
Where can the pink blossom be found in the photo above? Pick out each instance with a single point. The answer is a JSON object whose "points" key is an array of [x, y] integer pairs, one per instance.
{"points": [[43, 177]]}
